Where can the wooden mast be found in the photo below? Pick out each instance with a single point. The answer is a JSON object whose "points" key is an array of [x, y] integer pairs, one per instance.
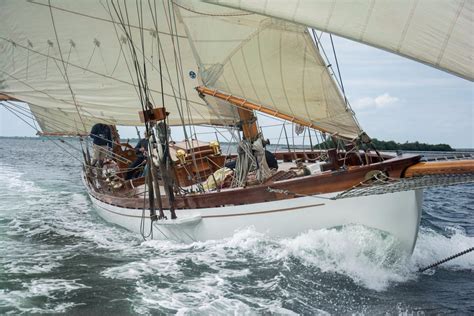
{"points": [[249, 124], [243, 104]]}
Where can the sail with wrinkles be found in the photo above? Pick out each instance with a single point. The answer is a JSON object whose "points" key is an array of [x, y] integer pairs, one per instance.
{"points": [[438, 33], [267, 61], [71, 62]]}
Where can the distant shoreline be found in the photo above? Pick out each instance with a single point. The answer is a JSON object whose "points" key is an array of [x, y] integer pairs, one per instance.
{"points": [[134, 140]]}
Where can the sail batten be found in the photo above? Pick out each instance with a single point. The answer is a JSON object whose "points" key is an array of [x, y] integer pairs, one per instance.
{"points": [[433, 32]]}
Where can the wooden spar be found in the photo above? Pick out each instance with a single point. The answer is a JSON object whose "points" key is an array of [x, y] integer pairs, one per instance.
{"points": [[4, 97], [440, 167], [244, 104], [61, 134]]}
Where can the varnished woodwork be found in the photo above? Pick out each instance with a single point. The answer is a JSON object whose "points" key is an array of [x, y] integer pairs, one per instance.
{"points": [[326, 182], [5, 97], [249, 124], [244, 104], [157, 114], [440, 167]]}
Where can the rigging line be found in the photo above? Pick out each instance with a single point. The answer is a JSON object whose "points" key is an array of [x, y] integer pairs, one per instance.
{"points": [[180, 75], [24, 112], [282, 80], [120, 17], [287, 192], [192, 103], [27, 114], [49, 138], [190, 118], [44, 117], [279, 138], [338, 69], [162, 54], [338, 84], [84, 15], [52, 98], [209, 14], [121, 49], [173, 29], [142, 40], [133, 52], [64, 65], [141, 73], [109, 11]]}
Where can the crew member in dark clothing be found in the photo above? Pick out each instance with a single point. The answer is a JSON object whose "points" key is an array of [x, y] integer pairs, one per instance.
{"points": [[141, 149], [269, 157], [271, 160], [102, 140]]}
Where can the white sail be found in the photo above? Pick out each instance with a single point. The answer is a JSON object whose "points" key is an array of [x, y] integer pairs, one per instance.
{"points": [[267, 61], [435, 32], [71, 62]]}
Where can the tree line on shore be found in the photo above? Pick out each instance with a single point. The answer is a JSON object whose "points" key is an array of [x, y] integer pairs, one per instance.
{"points": [[392, 145]]}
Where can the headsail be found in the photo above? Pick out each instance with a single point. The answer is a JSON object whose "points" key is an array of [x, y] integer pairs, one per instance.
{"points": [[268, 61], [434, 32], [71, 62]]}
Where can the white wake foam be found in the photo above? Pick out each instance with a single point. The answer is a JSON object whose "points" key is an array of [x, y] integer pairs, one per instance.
{"points": [[12, 180]]}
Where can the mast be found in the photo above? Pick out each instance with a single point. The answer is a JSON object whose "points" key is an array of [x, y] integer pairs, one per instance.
{"points": [[249, 123]]}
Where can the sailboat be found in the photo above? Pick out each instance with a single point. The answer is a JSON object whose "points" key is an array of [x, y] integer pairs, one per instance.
{"points": [[162, 63]]}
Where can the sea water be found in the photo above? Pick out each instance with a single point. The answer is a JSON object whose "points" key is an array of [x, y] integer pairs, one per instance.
{"points": [[58, 256]]}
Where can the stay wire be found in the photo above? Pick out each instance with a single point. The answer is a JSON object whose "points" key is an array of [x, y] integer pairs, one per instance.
{"points": [[49, 138], [65, 68]]}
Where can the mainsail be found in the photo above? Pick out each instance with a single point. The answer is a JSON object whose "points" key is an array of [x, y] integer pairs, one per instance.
{"points": [[438, 33], [71, 62], [268, 61]]}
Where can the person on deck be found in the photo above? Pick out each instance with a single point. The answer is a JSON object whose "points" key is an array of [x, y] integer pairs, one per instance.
{"points": [[141, 150], [102, 141], [269, 157]]}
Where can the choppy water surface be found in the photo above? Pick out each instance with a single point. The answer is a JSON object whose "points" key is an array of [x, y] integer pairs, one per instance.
{"points": [[58, 256]]}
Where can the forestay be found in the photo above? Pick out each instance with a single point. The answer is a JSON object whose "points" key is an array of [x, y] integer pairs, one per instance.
{"points": [[268, 61], [70, 61], [435, 32]]}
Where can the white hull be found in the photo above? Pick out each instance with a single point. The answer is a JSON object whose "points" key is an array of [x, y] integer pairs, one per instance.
{"points": [[395, 213]]}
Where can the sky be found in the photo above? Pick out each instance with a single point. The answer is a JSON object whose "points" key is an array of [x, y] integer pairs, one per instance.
{"points": [[394, 98]]}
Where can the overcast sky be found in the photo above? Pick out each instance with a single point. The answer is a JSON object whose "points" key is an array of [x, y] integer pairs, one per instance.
{"points": [[394, 99]]}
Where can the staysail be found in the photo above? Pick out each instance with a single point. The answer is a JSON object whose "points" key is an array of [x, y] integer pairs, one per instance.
{"points": [[267, 61], [438, 33], [71, 62]]}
